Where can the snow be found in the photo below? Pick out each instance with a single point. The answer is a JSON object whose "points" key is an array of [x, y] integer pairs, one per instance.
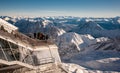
{"points": [[74, 68], [118, 21], [102, 39], [7, 18], [98, 60], [60, 32], [46, 22], [108, 60], [76, 39], [9, 27]]}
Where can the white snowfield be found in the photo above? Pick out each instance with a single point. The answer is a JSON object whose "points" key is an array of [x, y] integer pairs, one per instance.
{"points": [[74, 68]]}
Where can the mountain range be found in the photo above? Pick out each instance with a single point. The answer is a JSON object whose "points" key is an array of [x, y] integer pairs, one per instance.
{"points": [[91, 43]]}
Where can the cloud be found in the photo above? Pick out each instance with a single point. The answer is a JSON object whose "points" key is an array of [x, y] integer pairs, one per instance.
{"points": [[53, 11]]}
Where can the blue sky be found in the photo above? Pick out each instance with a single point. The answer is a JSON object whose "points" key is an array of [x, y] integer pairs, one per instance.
{"points": [[82, 8]]}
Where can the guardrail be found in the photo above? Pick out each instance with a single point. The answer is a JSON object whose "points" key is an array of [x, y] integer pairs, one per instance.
{"points": [[46, 60]]}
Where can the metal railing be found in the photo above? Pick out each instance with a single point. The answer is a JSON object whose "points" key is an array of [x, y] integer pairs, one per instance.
{"points": [[46, 60]]}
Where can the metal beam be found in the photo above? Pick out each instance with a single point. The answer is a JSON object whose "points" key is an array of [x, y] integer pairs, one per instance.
{"points": [[3, 53]]}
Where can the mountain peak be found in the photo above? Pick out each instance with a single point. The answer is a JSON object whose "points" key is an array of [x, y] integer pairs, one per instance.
{"points": [[93, 25], [73, 38]]}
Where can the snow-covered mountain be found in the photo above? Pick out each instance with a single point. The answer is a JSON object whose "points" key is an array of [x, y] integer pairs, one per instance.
{"points": [[96, 30], [103, 57], [71, 43], [108, 45], [90, 28], [44, 26], [116, 20], [100, 57], [82, 41], [98, 60]]}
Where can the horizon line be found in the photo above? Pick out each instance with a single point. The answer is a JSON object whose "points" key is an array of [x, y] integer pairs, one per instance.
{"points": [[58, 16]]}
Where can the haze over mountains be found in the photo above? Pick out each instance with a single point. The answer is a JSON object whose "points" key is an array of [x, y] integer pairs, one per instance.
{"points": [[92, 43]]}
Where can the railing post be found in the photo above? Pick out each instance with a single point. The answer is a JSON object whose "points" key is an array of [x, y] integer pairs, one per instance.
{"points": [[4, 53], [11, 50]]}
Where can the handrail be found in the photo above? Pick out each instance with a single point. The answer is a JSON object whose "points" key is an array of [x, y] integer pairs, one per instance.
{"points": [[46, 60]]}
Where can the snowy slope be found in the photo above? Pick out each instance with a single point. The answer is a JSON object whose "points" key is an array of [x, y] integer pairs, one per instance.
{"points": [[71, 43], [102, 56], [75, 68], [53, 31], [98, 60], [69, 38]]}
